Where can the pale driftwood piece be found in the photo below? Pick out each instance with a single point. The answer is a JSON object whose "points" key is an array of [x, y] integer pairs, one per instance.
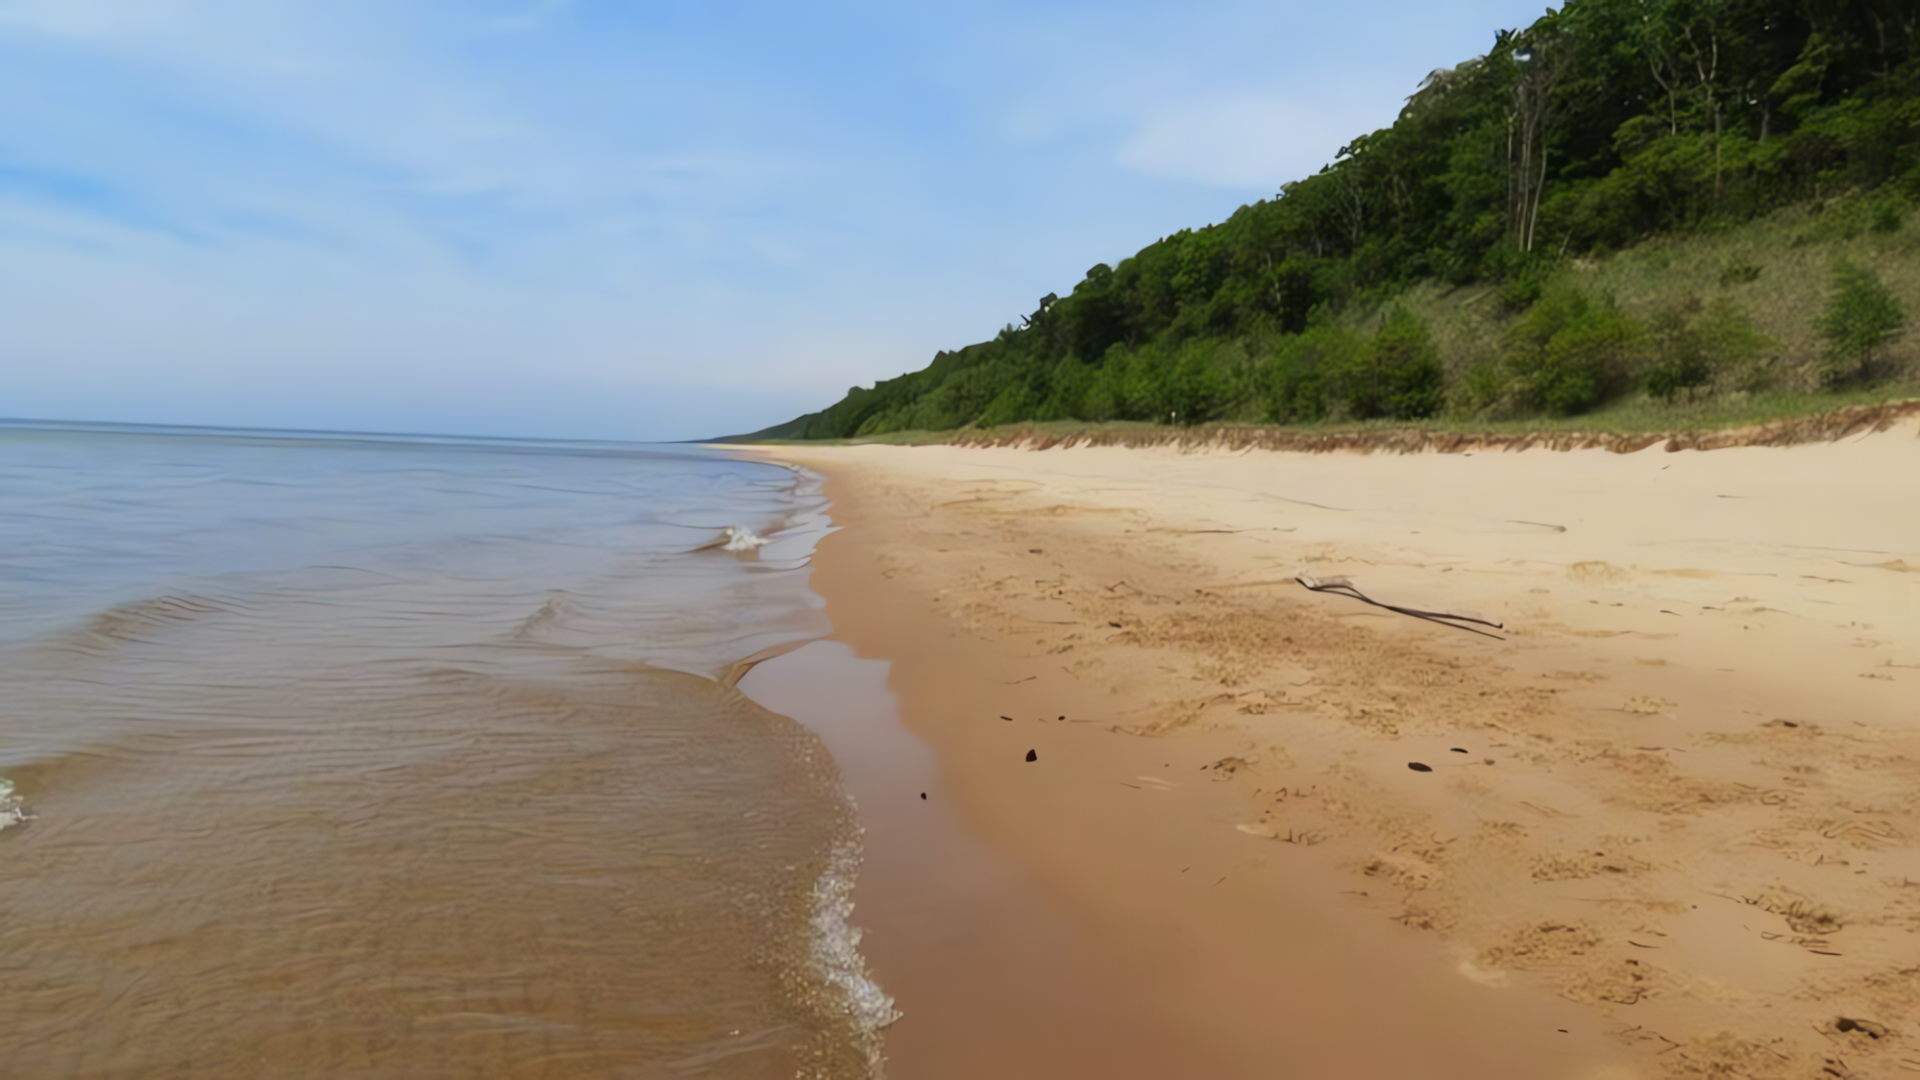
{"points": [[1342, 587]]}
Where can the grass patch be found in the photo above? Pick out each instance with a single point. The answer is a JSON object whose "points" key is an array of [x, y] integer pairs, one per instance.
{"points": [[1640, 415], [1777, 270]]}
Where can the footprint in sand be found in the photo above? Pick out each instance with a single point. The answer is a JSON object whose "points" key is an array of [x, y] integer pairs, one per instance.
{"points": [[1492, 977], [1227, 766]]}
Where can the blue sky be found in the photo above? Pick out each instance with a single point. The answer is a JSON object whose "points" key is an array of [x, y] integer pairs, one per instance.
{"points": [[620, 219]]}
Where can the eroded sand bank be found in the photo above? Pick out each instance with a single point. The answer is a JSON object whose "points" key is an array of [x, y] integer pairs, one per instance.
{"points": [[1670, 808]]}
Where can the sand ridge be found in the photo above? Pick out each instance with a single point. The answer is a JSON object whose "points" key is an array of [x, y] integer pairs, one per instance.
{"points": [[1680, 788]]}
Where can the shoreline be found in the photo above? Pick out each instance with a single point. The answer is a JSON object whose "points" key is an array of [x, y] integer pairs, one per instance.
{"points": [[1648, 822], [988, 978]]}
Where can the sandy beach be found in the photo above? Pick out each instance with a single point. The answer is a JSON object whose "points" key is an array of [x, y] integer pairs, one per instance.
{"points": [[1660, 822]]}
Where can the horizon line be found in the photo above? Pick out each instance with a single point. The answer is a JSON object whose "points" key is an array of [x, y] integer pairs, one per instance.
{"points": [[327, 434]]}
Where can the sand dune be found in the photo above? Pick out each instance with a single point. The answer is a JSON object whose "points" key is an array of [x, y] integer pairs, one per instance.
{"points": [[1677, 792]]}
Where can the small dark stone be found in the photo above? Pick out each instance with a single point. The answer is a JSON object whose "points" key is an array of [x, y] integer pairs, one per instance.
{"points": [[1457, 750], [1865, 1027], [923, 794], [1417, 767], [1008, 719], [1063, 718], [1032, 756], [1115, 625]]}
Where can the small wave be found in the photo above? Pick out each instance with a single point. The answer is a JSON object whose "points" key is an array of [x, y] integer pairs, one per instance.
{"points": [[558, 606], [137, 619], [11, 812], [740, 538], [836, 953], [737, 539]]}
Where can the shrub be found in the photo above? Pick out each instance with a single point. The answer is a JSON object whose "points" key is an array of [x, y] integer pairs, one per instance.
{"points": [[1680, 362], [1556, 309], [1887, 215], [1525, 284], [1197, 383], [1739, 271], [1299, 372], [1694, 345], [1396, 375], [1733, 344], [1484, 385], [1145, 384], [1583, 364], [1010, 405], [1569, 354], [1862, 318], [1066, 390], [1106, 396]]}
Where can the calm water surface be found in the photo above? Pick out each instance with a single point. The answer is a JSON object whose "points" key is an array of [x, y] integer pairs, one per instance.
{"points": [[373, 757]]}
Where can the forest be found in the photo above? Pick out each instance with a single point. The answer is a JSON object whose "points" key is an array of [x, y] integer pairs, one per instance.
{"points": [[1509, 183]]}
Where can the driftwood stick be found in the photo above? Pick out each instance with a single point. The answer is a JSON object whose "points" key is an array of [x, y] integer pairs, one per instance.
{"points": [[1343, 587]]}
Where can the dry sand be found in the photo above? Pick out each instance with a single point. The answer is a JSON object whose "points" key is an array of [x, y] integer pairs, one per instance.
{"points": [[1673, 807]]}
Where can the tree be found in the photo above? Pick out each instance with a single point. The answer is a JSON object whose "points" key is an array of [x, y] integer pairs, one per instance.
{"points": [[1597, 126], [1543, 55], [1862, 318]]}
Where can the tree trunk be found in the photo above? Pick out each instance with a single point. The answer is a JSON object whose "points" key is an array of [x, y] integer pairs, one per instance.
{"points": [[1706, 65], [1527, 177]]}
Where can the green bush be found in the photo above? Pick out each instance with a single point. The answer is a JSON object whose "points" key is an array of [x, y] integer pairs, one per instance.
{"points": [[1066, 390], [1594, 213], [1584, 364], [1106, 395], [1484, 386], [1524, 284], [1300, 370], [1396, 375], [1739, 271], [1734, 346], [1694, 345], [1144, 384], [1568, 354], [1680, 363], [1009, 405], [1888, 214], [1862, 318], [1198, 386]]}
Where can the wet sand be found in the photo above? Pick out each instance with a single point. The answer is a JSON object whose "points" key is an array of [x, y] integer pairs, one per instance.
{"points": [[1670, 807]]}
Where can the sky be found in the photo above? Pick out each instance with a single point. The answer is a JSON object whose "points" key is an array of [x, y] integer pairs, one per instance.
{"points": [[645, 220]]}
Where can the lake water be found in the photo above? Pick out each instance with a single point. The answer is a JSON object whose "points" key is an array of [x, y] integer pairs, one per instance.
{"points": [[373, 756]]}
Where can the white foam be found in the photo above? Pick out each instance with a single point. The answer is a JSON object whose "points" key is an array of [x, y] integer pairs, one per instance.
{"points": [[836, 951], [741, 538], [11, 812]]}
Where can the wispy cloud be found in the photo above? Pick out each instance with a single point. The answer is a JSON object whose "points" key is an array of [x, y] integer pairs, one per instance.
{"points": [[1239, 142], [529, 17]]}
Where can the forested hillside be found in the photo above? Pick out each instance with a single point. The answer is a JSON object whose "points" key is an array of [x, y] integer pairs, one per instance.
{"points": [[1514, 180]]}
